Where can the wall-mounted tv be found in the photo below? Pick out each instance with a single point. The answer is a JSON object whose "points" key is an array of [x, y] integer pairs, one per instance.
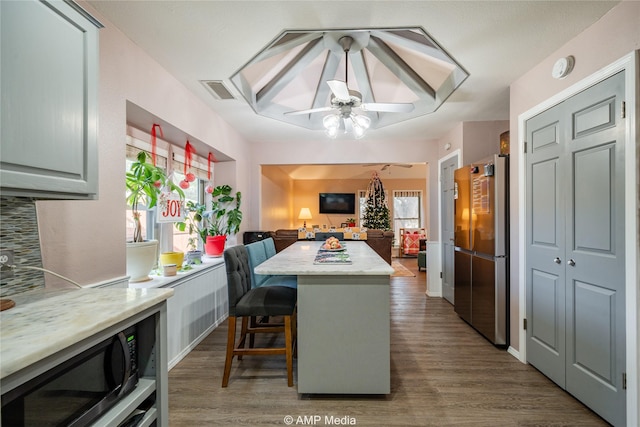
{"points": [[338, 203]]}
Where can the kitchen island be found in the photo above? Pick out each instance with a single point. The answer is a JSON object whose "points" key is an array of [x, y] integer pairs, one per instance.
{"points": [[343, 318]]}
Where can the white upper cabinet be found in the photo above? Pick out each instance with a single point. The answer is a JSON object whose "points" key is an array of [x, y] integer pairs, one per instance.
{"points": [[49, 85]]}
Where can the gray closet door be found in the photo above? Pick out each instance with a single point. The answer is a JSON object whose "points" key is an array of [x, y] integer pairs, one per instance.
{"points": [[545, 271], [575, 247], [446, 175]]}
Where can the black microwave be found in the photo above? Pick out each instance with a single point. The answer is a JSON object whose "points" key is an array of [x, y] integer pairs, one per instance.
{"points": [[78, 391]]}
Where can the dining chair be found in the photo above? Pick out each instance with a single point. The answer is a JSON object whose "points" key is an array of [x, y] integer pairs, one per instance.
{"points": [[269, 247], [248, 304], [325, 235]]}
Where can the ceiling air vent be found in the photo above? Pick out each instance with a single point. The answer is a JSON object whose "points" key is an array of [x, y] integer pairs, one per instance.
{"points": [[218, 89]]}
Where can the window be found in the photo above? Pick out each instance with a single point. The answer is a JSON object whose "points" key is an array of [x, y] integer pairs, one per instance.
{"points": [[406, 209], [195, 193], [171, 239], [362, 203]]}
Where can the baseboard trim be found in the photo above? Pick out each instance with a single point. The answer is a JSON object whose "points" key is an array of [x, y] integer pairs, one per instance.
{"points": [[515, 353], [173, 362]]}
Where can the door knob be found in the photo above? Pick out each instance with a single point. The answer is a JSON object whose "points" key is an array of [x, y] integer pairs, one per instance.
{"points": [[571, 262], [557, 260]]}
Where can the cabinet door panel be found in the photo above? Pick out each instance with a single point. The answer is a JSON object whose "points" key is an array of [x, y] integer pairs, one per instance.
{"points": [[49, 85]]}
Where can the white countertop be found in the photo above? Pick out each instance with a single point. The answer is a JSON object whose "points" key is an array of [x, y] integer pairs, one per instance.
{"points": [[298, 258], [44, 322]]}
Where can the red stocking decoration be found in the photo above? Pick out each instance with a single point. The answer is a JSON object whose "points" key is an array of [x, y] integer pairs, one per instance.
{"points": [[210, 158], [188, 176], [154, 142]]}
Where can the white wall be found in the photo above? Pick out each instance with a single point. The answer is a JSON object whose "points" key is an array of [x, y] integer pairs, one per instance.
{"points": [[85, 240]]}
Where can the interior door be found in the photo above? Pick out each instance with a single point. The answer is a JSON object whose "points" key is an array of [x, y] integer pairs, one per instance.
{"points": [[575, 247], [447, 197], [545, 271], [595, 249]]}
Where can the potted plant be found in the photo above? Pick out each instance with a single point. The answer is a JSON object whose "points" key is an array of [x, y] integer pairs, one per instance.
{"points": [[351, 222], [193, 224], [145, 183], [214, 225]]}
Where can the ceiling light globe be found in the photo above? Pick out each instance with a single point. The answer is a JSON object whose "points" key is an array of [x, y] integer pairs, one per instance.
{"points": [[331, 121], [361, 121], [331, 132]]}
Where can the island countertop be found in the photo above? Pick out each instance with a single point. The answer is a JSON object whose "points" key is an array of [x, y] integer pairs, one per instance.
{"points": [[298, 258], [45, 322]]}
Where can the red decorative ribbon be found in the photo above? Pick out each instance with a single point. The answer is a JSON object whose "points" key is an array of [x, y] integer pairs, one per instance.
{"points": [[153, 141], [188, 155], [210, 158]]}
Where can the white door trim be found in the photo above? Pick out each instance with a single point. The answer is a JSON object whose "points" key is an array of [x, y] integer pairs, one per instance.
{"points": [[630, 63], [456, 152]]}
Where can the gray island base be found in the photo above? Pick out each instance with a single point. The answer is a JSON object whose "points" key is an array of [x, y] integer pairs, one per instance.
{"points": [[343, 319]]}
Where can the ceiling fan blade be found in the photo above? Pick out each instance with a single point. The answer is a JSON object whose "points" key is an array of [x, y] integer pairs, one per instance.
{"points": [[339, 89], [312, 110], [389, 107]]}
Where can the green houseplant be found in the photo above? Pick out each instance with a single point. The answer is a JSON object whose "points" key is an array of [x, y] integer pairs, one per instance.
{"points": [[214, 225], [144, 184]]}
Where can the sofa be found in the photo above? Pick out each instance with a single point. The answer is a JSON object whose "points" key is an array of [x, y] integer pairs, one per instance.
{"points": [[379, 240]]}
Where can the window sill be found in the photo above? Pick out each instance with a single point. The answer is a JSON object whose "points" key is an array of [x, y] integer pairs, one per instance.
{"points": [[159, 281]]}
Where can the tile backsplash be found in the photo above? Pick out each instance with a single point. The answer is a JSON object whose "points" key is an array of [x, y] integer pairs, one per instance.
{"points": [[19, 233]]}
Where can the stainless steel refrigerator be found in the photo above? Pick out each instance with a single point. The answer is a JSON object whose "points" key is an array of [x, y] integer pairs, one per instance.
{"points": [[481, 257]]}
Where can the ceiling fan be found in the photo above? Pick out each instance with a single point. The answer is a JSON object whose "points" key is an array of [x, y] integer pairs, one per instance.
{"points": [[388, 165], [344, 100]]}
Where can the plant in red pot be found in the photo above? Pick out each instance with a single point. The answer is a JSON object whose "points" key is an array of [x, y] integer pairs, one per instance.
{"points": [[214, 225]]}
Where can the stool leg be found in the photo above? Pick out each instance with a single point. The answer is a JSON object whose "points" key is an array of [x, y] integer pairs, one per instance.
{"points": [[288, 334], [231, 338]]}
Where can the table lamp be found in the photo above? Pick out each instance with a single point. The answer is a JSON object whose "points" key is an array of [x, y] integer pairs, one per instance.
{"points": [[305, 214]]}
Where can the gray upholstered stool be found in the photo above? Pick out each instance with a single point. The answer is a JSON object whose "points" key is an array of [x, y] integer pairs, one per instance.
{"points": [[247, 303]]}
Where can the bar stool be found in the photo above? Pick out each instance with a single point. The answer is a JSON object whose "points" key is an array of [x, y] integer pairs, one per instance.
{"points": [[247, 303]]}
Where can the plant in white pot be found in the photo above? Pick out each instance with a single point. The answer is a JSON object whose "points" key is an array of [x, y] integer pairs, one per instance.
{"points": [[144, 182]]}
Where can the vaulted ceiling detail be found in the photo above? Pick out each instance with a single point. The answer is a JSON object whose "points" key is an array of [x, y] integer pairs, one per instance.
{"points": [[384, 67]]}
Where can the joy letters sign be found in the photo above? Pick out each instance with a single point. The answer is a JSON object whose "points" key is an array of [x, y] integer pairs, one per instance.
{"points": [[170, 208]]}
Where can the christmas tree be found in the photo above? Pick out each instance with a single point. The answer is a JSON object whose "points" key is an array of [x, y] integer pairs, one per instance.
{"points": [[376, 211]]}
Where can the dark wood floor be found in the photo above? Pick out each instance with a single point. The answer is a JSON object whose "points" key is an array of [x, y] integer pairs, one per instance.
{"points": [[443, 373]]}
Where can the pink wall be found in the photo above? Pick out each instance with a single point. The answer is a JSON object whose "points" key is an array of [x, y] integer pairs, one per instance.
{"points": [[481, 139], [276, 208], [85, 240], [612, 37]]}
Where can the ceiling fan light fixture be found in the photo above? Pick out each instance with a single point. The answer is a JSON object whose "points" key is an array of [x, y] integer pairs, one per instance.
{"points": [[331, 125], [361, 121], [330, 121], [331, 132]]}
